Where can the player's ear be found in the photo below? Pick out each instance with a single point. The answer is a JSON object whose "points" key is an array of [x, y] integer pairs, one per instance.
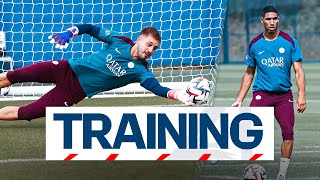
{"points": [[261, 20], [140, 37]]}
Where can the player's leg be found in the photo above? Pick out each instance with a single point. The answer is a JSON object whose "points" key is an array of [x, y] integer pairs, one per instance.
{"points": [[43, 72], [284, 114], [30, 111], [66, 93], [60, 96], [261, 98], [286, 128], [4, 82], [9, 113]]}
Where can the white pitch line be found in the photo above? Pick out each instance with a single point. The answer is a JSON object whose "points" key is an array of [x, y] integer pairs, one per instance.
{"points": [[301, 152], [249, 99], [231, 177], [309, 178], [4, 161], [217, 177], [302, 147], [264, 164]]}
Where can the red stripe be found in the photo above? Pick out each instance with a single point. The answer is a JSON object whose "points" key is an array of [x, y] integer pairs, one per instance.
{"points": [[162, 157], [204, 157], [255, 157], [70, 157], [112, 157], [125, 39], [287, 37], [254, 41]]}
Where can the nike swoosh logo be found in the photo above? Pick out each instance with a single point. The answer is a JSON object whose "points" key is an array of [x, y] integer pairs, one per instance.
{"points": [[261, 52], [290, 100], [66, 104], [118, 51]]}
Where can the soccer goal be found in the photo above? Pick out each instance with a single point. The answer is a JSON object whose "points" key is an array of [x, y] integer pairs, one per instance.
{"points": [[191, 36]]}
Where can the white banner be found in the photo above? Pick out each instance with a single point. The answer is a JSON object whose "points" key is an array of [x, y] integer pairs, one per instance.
{"points": [[159, 133]]}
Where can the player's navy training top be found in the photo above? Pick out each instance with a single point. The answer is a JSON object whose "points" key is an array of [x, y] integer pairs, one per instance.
{"points": [[112, 66], [273, 60]]}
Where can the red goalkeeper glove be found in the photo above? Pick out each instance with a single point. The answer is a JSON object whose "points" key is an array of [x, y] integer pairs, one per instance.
{"points": [[180, 95]]}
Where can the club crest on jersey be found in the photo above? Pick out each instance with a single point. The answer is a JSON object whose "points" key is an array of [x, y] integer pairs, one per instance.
{"points": [[281, 50], [130, 65], [114, 66], [273, 61]]}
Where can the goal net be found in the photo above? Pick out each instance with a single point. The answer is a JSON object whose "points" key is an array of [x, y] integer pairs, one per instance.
{"points": [[191, 33]]}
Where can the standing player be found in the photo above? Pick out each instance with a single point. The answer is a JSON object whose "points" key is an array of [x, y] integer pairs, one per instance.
{"points": [[118, 63], [271, 55]]}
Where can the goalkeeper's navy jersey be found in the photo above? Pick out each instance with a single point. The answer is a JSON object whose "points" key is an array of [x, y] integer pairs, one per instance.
{"points": [[273, 60], [111, 67]]}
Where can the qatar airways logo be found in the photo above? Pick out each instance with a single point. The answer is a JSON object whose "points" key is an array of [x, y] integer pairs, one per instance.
{"points": [[114, 67], [273, 61]]}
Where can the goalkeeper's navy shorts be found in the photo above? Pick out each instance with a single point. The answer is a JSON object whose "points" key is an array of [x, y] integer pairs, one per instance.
{"points": [[66, 92]]}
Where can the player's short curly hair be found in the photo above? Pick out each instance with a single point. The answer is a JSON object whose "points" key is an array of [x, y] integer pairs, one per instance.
{"points": [[268, 9], [151, 30]]}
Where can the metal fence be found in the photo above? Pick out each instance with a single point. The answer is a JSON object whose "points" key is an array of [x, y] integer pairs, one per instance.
{"points": [[299, 18]]}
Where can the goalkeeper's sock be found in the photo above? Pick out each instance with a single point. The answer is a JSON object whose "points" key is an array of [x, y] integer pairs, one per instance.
{"points": [[284, 164]]}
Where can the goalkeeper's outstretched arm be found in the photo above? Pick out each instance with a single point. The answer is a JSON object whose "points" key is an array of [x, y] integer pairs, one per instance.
{"points": [[62, 39], [154, 86]]}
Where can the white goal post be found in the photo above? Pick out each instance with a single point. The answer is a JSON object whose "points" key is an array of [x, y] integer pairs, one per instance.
{"points": [[191, 33]]}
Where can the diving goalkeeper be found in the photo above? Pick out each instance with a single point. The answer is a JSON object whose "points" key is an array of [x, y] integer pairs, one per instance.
{"points": [[118, 63]]}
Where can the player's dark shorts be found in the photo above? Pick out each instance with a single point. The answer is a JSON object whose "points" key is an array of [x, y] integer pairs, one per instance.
{"points": [[66, 92], [283, 109]]}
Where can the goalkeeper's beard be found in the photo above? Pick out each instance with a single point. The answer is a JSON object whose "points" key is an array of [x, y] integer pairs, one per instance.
{"points": [[142, 55]]}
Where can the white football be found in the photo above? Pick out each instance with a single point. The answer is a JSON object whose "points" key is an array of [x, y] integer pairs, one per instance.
{"points": [[254, 172], [199, 90]]}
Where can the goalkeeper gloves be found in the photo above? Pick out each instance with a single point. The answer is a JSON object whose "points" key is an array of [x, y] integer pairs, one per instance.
{"points": [[62, 38], [180, 95]]}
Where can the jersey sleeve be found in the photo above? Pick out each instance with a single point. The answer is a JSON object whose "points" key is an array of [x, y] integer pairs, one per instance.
{"points": [[297, 52], [145, 75], [100, 33], [154, 86], [250, 58], [106, 35]]}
